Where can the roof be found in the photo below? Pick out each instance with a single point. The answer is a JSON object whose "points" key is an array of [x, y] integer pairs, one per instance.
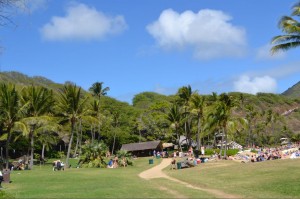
{"points": [[141, 146]]}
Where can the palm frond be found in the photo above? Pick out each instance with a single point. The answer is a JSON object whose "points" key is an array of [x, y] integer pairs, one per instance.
{"points": [[289, 25], [296, 9], [285, 46]]}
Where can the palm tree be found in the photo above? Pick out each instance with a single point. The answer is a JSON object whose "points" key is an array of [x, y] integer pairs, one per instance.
{"points": [[37, 102], [197, 105], [71, 106], [185, 94], [251, 116], [221, 116], [9, 111], [98, 91], [115, 122], [291, 27], [175, 117]]}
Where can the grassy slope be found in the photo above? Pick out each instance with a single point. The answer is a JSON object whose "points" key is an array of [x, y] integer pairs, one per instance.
{"points": [[270, 179], [42, 182]]}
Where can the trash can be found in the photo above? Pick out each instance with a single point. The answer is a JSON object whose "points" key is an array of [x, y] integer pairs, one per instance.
{"points": [[6, 175], [178, 165], [150, 161]]}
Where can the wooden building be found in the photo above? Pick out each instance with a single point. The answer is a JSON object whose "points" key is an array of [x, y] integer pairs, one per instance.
{"points": [[143, 149]]}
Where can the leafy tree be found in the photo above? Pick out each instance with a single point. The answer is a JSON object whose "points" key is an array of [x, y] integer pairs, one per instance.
{"points": [[175, 117], [185, 94], [98, 91], [37, 103], [197, 105], [9, 111], [221, 116], [291, 27], [71, 106]]}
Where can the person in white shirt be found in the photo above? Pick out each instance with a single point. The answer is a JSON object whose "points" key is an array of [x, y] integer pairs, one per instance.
{"points": [[1, 179]]}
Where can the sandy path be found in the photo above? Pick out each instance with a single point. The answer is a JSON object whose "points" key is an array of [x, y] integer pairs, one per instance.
{"points": [[156, 172]]}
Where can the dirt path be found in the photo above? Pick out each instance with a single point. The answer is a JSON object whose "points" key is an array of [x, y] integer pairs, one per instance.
{"points": [[156, 172]]}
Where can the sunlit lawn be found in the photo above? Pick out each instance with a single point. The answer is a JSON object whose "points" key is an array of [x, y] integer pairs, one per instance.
{"points": [[270, 179], [42, 182]]}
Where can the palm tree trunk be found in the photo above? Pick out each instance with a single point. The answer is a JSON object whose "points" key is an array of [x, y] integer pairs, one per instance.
{"points": [[225, 151], [178, 138], [31, 150], [43, 151], [77, 142], [222, 140], [198, 135], [99, 127], [80, 127], [92, 133], [7, 147], [113, 148], [70, 144]]}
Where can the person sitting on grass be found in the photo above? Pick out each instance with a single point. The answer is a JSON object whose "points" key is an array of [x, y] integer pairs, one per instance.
{"points": [[110, 164], [173, 164]]}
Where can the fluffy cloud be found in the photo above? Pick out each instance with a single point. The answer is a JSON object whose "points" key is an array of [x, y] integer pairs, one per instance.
{"points": [[83, 23], [254, 85], [208, 32], [263, 53]]}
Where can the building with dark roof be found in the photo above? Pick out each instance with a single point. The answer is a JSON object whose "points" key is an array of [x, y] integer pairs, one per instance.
{"points": [[143, 149]]}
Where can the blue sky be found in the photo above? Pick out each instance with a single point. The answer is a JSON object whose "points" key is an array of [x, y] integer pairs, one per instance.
{"points": [[135, 46]]}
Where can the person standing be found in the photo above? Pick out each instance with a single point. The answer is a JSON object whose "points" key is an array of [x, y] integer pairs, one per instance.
{"points": [[1, 179]]}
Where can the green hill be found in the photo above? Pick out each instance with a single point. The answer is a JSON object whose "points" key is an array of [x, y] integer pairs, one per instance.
{"points": [[23, 80], [294, 91]]}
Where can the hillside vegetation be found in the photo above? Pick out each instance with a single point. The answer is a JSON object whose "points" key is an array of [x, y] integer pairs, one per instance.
{"points": [[260, 119]]}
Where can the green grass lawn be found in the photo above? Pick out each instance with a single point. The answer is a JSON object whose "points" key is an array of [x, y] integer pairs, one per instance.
{"points": [[42, 182], [269, 179]]}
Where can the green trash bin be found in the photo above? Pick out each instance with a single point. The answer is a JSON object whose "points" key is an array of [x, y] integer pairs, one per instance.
{"points": [[150, 161], [178, 165]]}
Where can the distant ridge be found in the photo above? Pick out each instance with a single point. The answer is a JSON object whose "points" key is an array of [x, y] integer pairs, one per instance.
{"points": [[24, 80], [294, 91]]}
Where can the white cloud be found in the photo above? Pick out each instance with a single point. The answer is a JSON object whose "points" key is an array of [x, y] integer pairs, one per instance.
{"points": [[254, 85], [83, 23], [263, 53], [208, 32]]}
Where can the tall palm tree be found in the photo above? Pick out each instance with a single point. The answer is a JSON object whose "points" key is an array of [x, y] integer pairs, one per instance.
{"points": [[251, 116], [9, 111], [71, 106], [37, 103], [197, 105], [221, 116], [185, 94], [115, 123], [98, 91], [175, 117], [291, 27]]}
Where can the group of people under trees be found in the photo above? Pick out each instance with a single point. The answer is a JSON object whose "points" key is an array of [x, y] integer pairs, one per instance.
{"points": [[58, 165], [114, 162]]}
